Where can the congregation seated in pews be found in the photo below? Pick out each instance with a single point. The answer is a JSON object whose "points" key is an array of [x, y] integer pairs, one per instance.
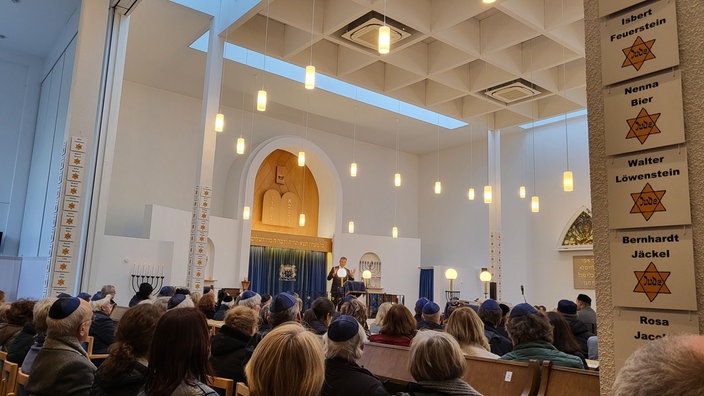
{"points": [[171, 345]]}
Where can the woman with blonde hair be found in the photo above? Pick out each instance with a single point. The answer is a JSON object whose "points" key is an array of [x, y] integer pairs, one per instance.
{"points": [[288, 361], [379, 319], [464, 324], [437, 364]]}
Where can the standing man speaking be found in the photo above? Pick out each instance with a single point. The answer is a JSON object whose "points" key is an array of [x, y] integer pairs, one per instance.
{"points": [[339, 274]]}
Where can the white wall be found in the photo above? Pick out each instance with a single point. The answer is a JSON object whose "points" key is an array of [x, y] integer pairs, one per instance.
{"points": [[454, 231]]}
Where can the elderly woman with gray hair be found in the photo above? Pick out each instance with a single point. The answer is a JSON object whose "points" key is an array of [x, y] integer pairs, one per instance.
{"points": [[343, 346]]}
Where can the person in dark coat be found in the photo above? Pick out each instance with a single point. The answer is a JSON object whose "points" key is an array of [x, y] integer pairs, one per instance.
{"points": [[103, 328], [343, 346], [232, 346], [62, 366], [19, 313], [419, 308], [580, 331], [226, 303], [145, 291], [431, 317], [318, 317], [336, 291], [17, 348], [490, 313], [123, 373]]}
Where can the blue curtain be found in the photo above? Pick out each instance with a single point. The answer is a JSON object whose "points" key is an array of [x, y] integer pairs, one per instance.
{"points": [[426, 283], [265, 265]]}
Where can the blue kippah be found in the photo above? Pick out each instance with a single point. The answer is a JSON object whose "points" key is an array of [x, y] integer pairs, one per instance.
{"points": [[522, 309], [421, 302], [431, 308], [490, 305], [176, 300], [61, 295], [567, 307], [247, 294], [343, 328], [84, 296], [98, 296], [349, 298], [64, 307], [166, 291], [282, 302]]}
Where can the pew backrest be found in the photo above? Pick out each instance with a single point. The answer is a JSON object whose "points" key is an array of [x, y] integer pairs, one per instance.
{"points": [[388, 362], [502, 377], [555, 381], [241, 389]]}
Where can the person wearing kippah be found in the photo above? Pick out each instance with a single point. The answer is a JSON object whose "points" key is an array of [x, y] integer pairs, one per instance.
{"points": [[431, 317], [490, 313], [283, 308], [420, 303], [144, 293], [580, 331], [344, 342], [531, 334], [102, 328], [62, 366], [585, 312]]}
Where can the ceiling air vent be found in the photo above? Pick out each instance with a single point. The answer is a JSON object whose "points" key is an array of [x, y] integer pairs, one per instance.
{"points": [[365, 30], [513, 91]]}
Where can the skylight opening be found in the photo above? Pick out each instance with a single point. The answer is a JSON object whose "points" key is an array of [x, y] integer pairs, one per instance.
{"points": [[552, 120], [296, 73]]}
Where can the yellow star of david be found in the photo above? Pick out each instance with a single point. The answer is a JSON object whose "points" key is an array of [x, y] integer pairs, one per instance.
{"points": [[638, 53], [642, 126], [63, 267], [67, 235], [65, 251], [652, 282], [69, 221], [79, 146], [76, 161], [648, 202], [60, 282]]}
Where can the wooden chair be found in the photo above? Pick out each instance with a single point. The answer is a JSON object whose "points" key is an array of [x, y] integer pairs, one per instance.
{"points": [[555, 380], [21, 382], [241, 389], [502, 377], [389, 363], [225, 384], [9, 378], [94, 357]]}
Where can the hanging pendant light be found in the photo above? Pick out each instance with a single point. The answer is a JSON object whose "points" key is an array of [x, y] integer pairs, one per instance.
{"points": [[350, 227], [384, 36], [438, 187], [246, 212], [302, 220], [488, 196], [567, 181], [261, 94], [353, 169], [261, 100], [394, 232], [309, 81], [310, 77], [397, 179], [219, 122], [470, 194], [239, 147], [522, 192], [535, 204], [301, 158]]}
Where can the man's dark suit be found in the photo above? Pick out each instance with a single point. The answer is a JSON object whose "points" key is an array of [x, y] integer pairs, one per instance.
{"points": [[336, 291]]}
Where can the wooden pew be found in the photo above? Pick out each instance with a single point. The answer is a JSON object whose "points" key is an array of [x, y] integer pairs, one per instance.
{"points": [[8, 380], [555, 381], [501, 377], [241, 389], [389, 363], [21, 382], [225, 384]]}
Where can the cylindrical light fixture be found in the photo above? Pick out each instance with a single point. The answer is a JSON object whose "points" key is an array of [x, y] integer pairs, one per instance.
{"points": [[239, 147], [309, 81], [487, 194], [522, 191], [438, 187], [353, 169], [350, 227], [394, 232], [384, 39], [246, 213], [261, 100], [301, 158], [567, 181], [534, 204], [397, 180], [302, 220], [219, 122], [470, 194]]}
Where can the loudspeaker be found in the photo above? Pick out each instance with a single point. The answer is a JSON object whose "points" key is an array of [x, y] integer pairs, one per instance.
{"points": [[492, 290]]}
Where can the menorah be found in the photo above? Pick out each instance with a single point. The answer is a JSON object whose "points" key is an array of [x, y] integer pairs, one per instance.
{"points": [[152, 274]]}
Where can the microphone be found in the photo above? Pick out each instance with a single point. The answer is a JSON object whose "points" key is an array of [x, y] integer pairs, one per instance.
{"points": [[524, 295]]}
